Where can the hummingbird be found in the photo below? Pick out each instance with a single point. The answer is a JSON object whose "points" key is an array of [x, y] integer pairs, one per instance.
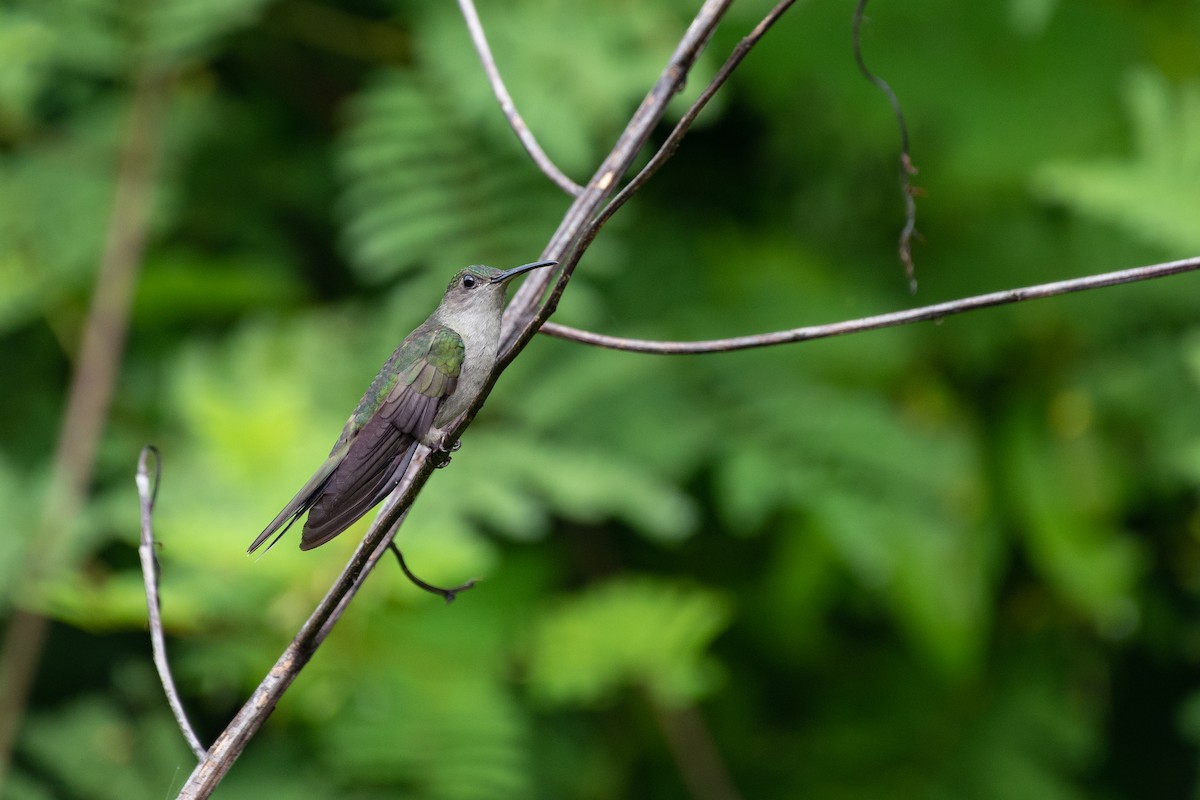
{"points": [[431, 378]]}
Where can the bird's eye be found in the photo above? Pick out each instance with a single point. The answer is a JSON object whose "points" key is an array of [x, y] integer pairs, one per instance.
{"points": [[468, 282]]}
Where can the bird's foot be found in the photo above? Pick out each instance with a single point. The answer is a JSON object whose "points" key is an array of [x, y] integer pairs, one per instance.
{"points": [[446, 594], [436, 441]]}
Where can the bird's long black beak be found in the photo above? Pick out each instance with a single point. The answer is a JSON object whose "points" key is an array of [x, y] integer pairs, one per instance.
{"points": [[515, 271]]}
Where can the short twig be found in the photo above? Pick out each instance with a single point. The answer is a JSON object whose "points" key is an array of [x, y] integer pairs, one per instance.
{"points": [[446, 594], [878, 321], [907, 168], [515, 121], [147, 493]]}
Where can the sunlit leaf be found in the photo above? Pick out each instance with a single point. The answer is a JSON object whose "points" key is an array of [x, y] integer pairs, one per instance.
{"points": [[640, 633], [1153, 194]]}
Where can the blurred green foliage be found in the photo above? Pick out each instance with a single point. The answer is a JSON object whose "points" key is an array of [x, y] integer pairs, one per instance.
{"points": [[958, 560]]}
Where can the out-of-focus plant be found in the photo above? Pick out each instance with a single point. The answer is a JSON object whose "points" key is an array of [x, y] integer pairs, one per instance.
{"points": [[956, 560]]}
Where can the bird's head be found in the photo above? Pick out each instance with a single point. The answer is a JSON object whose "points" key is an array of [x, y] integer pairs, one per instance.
{"points": [[480, 288]]}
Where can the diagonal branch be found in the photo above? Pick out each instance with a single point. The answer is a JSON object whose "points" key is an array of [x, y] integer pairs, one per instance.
{"points": [[524, 315], [878, 321], [672, 142], [515, 121], [147, 493], [532, 304], [576, 231]]}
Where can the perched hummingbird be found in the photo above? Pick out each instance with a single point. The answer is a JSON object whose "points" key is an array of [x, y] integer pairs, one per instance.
{"points": [[430, 379]]}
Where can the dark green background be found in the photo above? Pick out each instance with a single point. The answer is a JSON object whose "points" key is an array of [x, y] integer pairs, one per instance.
{"points": [[955, 560]]}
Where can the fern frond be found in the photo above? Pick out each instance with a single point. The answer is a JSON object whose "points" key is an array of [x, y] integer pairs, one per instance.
{"points": [[640, 632], [1152, 194], [423, 187]]}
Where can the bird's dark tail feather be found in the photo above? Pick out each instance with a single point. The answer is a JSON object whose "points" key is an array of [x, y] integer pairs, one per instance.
{"points": [[262, 537]]}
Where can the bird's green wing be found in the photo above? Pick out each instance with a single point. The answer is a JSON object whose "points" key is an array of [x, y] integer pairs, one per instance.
{"points": [[422, 374], [376, 445]]}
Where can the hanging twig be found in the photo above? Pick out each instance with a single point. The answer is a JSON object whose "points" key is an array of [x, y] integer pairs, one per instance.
{"points": [[907, 168], [515, 121], [878, 321], [446, 594], [147, 494]]}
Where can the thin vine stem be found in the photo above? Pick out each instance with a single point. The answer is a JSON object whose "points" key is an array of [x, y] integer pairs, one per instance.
{"points": [[892, 319]]}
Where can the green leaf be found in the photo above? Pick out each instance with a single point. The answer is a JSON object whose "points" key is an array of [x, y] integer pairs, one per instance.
{"points": [[59, 193], [137, 755], [641, 632], [453, 739], [428, 705], [26, 47], [1066, 495], [181, 30], [516, 481], [1153, 194], [844, 460]]}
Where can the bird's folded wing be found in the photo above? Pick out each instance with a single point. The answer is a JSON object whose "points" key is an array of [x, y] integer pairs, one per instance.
{"points": [[380, 454], [370, 470]]}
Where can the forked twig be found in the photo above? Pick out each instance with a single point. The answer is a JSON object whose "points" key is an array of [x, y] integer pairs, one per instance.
{"points": [[681, 128], [147, 494], [583, 220]]}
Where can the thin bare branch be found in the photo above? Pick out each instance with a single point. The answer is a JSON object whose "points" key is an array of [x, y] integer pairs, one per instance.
{"points": [[147, 493], [446, 594], [385, 544], [907, 168], [924, 313], [515, 121]]}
